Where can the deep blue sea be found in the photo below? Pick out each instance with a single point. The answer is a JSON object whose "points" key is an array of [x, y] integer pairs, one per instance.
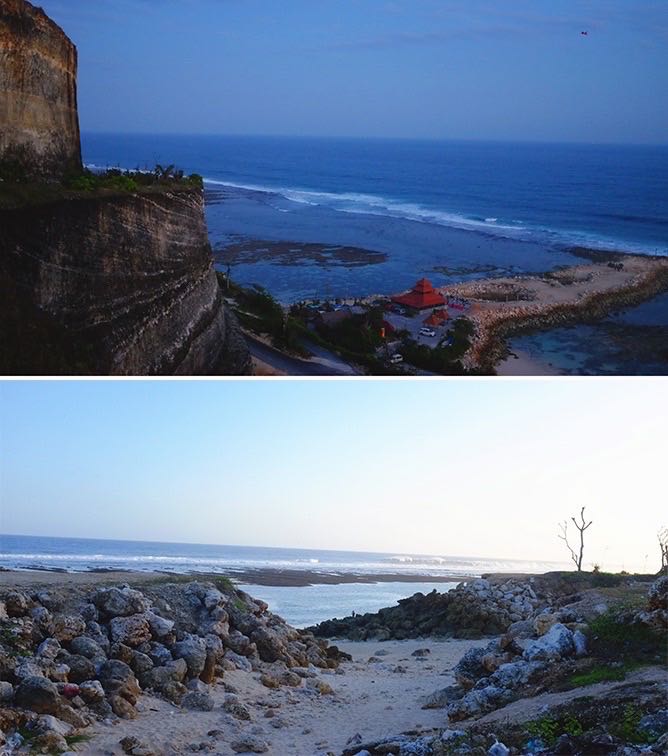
{"points": [[445, 210], [300, 606]]}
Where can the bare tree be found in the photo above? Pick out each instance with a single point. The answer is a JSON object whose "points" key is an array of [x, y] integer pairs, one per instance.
{"points": [[662, 535], [581, 527]]}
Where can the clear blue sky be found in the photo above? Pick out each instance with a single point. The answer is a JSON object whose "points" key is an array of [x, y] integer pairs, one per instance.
{"points": [[478, 69], [461, 468]]}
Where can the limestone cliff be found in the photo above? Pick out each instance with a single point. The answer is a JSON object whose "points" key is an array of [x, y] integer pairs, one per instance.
{"points": [[39, 127], [117, 284], [115, 279]]}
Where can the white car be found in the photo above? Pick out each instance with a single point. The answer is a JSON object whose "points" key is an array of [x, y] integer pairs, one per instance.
{"points": [[395, 359], [427, 332]]}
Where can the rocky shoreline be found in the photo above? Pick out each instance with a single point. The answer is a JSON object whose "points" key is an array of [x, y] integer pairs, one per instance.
{"points": [[169, 666], [581, 294]]}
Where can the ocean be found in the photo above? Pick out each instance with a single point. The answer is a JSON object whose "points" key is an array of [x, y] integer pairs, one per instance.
{"points": [[311, 218], [300, 606]]}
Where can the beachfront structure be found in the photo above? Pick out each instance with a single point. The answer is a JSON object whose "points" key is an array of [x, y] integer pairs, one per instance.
{"points": [[420, 297], [437, 318]]}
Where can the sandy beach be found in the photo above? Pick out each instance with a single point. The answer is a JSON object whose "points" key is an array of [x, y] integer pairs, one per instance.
{"points": [[378, 694]]}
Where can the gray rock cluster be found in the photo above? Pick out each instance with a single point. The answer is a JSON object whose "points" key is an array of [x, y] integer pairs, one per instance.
{"points": [[490, 677], [60, 670], [655, 615], [473, 609]]}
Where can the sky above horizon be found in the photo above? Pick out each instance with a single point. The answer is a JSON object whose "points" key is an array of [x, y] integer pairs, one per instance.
{"points": [[458, 468], [450, 69]]}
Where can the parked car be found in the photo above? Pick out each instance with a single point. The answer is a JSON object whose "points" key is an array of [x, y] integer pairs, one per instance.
{"points": [[427, 332], [395, 359]]}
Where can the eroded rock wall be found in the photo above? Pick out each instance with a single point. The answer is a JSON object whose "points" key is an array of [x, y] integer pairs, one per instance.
{"points": [[39, 125], [116, 284]]}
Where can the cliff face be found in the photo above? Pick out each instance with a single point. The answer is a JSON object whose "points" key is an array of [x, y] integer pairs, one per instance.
{"points": [[39, 134], [120, 285], [105, 282]]}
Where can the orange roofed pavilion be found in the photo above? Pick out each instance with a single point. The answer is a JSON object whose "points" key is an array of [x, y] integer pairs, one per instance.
{"points": [[421, 296]]}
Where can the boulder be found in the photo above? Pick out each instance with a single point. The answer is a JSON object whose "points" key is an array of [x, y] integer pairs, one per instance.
{"points": [[66, 627], [160, 627], [96, 632], [38, 694], [16, 604], [238, 661], [543, 622], [193, 650], [122, 707], [269, 645], [50, 600], [136, 747], [198, 700], [556, 644], [49, 742], [212, 598], [48, 649], [469, 668], [6, 692], [232, 705], [118, 679], [49, 723], [91, 691], [657, 596], [239, 643], [131, 631], [81, 668], [120, 602], [249, 744], [580, 643], [159, 654], [444, 697], [88, 647], [140, 663]]}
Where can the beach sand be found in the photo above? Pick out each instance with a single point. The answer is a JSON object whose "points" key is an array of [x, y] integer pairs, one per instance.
{"points": [[370, 697]]}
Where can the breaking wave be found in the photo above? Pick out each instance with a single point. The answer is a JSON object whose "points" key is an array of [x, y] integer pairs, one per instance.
{"points": [[370, 204]]}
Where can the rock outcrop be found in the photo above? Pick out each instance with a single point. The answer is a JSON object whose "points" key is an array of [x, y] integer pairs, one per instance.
{"points": [[472, 610], [175, 640], [117, 284], [113, 278], [39, 134]]}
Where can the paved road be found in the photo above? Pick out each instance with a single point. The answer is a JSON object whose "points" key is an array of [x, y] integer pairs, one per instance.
{"points": [[293, 365]]}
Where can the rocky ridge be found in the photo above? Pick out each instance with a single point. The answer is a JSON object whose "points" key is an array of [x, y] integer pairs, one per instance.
{"points": [[68, 659], [473, 609]]}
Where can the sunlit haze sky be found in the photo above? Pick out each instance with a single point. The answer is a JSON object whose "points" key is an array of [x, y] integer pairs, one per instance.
{"points": [[470, 69], [467, 468]]}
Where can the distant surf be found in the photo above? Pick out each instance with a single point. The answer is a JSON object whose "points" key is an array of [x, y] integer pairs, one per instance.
{"points": [[77, 555]]}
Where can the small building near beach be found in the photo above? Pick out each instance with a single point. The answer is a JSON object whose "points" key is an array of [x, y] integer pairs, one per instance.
{"points": [[437, 318], [420, 297]]}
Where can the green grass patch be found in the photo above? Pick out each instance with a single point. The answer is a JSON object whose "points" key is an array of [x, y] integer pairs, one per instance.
{"points": [[601, 673], [611, 637], [548, 729], [73, 740], [627, 728]]}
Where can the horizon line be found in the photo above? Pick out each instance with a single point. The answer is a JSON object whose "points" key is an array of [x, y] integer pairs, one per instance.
{"points": [[379, 138]]}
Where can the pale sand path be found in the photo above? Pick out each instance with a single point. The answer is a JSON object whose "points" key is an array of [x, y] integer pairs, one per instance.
{"points": [[369, 698]]}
